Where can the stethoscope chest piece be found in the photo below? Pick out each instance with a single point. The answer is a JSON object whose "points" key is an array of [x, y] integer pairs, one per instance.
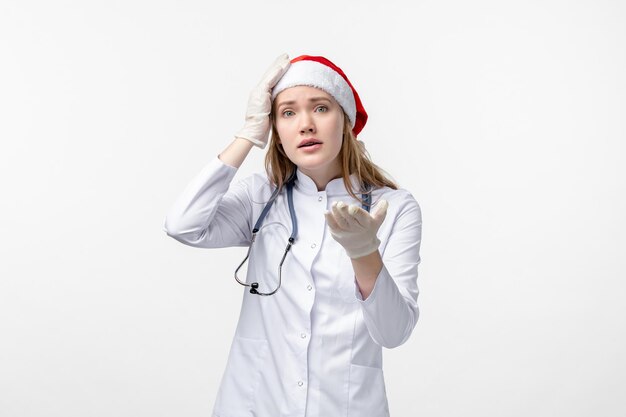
{"points": [[254, 286]]}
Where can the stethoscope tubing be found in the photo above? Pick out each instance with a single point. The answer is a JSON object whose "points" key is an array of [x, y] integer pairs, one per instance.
{"points": [[367, 198]]}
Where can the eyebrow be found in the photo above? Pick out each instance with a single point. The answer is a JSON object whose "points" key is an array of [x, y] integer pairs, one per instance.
{"points": [[312, 99]]}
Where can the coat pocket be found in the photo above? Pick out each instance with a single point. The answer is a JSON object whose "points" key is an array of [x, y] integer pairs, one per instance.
{"points": [[241, 378], [367, 395]]}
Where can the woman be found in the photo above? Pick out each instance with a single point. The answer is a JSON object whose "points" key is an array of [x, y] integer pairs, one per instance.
{"points": [[329, 283]]}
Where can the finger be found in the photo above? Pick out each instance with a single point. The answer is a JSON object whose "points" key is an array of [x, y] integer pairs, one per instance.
{"points": [[276, 70], [350, 221], [360, 216], [330, 220], [336, 209], [381, 211]]}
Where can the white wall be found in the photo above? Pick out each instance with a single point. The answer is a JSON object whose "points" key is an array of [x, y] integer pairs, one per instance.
{"points": [[504, 119]]}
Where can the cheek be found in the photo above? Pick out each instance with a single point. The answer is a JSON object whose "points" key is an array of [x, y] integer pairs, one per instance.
{"points": [[339, 129], [281, 131], [339, 125], [284, 126]]}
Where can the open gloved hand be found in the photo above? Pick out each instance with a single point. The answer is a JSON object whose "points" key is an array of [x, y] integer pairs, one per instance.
{"points": [[354, 228], [257, 125]]}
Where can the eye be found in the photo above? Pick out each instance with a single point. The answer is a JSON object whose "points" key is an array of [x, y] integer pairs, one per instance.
{"points": [[322, 109], [288, 113]]}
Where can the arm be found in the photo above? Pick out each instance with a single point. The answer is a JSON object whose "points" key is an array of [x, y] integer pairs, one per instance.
{"points": [[366, 270], [208, 214], [236, 152], [390, 308], [386, 287]]}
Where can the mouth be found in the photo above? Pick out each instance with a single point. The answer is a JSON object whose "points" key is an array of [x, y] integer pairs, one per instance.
{"points": [[309, 142]]}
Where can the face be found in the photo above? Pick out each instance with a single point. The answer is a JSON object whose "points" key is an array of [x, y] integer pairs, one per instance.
{"points": [[305, 114]]}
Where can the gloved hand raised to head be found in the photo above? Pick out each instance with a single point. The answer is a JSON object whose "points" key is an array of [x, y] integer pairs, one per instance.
{"points": [[257, 125], [354, 228]]}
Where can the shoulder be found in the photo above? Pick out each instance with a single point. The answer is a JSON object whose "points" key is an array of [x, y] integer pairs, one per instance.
{"points": [[401, 201], [257, 186], [256, 181]]}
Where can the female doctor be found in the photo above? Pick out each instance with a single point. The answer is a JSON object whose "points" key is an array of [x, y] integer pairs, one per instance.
{"points": [[333, 250]]}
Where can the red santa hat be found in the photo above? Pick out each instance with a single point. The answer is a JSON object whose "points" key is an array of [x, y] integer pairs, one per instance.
{"points": [[317, 71]]}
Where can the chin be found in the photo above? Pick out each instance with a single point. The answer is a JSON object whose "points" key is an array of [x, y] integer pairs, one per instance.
{"points": [[314, 162]]}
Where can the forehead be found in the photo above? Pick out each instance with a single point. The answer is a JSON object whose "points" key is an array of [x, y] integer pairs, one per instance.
{"points": [[301, 93]]}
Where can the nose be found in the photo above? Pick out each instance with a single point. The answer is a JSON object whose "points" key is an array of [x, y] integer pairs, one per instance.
{"points": [[306, 124]]}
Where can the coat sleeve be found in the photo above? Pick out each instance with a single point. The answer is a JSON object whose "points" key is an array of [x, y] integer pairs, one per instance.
{"points": [[210, 213], [390, 311]]}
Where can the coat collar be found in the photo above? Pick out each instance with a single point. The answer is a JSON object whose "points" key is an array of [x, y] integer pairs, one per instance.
{"points": [[335, 187]]}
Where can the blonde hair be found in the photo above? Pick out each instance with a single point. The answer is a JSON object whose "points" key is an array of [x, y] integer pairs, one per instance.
{"points": [[354, 159]]}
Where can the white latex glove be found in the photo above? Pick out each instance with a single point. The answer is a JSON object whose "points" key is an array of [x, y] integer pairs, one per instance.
{"points": [[257, 126], [354, 228]]}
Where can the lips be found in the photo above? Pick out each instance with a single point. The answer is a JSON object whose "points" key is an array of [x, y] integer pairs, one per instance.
{"points": [[306, 142]]}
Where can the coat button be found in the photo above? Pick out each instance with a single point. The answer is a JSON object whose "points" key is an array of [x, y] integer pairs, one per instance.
{"points": [[303, 335], [319, 198], [313, 246], [308, 287], [300, 383]]}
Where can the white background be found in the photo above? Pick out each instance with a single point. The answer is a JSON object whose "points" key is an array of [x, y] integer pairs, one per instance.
{"points": [[506, 120]]}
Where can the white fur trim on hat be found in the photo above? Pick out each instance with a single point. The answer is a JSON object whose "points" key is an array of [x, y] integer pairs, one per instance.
{"points": [[315, 74]]}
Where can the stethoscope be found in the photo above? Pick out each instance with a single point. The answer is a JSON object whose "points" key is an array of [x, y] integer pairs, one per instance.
{"points": [[367, 198]]}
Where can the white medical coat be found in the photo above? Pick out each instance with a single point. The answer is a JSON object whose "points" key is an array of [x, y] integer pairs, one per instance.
{"points": [[314, 348]]}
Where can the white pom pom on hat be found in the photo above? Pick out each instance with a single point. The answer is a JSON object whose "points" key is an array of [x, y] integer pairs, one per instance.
{"points": [[317, 71]]}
